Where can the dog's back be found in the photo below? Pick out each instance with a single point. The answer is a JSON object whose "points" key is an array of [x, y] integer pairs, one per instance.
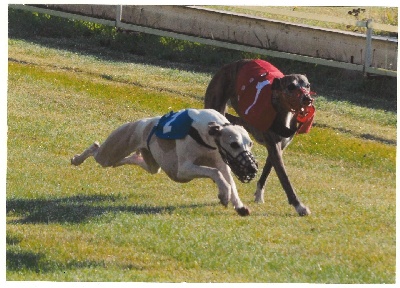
{"points": [[171, 153]]}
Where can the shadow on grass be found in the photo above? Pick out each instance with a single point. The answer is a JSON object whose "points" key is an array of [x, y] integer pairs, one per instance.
{"points": [[365, 136], [73, 210], [79, 209], [18, 259]]}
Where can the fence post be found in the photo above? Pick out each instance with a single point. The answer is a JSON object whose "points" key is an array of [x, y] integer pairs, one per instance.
{"points": [[118, 15], [368, 47]]}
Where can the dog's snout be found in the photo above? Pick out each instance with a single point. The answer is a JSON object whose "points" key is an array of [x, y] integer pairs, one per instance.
{"points": [[252, 165], [307, 99], [253, 168]]}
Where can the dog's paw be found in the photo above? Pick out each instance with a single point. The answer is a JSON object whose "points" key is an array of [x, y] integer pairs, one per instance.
{"points": [[137, 158], [224, 199], [243, 211], [76, 160], [302, 210], [259, 195]]}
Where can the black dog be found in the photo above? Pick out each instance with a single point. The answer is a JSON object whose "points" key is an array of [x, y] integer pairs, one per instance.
{"points": [[273, 107]]}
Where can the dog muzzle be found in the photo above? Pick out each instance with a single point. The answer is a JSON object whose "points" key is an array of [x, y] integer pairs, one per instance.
{"points": [[244, 165], [298, 99]]}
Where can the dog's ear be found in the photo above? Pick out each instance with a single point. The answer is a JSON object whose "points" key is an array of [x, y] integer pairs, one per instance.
{"points": [[276, 84], [214, 129]]}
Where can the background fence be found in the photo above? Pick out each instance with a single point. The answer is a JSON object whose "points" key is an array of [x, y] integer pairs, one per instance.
{"points": [[367, 53]]}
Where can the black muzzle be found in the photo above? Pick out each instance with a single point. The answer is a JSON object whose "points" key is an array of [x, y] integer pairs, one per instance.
{"points": [[244, 165]]}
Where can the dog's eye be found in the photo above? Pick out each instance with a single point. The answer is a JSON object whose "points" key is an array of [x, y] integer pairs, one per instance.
{"points": [[235, 145], [291, 87]]}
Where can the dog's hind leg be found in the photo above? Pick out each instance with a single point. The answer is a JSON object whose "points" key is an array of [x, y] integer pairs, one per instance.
{"points": [[221, 88], [80, 158], [142, 158], [259, 195], [134, 159]]}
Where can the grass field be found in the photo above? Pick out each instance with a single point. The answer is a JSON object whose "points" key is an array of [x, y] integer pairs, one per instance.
{"points": [[86, 223], [378, 14]]}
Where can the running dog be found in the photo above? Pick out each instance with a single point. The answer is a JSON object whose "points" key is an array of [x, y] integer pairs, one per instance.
{"points": [[186, 144], [271, 106]]}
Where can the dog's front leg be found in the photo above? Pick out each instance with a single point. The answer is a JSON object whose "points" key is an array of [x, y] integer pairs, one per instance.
{"points": [[275, 154], [226, 188], [259, 195], [236, 202], [188, 171]]}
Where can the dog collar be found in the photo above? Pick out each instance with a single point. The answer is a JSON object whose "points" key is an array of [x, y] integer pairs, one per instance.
{"points": [[196, 137], [304, 119]]}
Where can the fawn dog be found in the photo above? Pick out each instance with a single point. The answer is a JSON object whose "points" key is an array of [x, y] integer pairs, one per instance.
{"points": [[188, 144]]}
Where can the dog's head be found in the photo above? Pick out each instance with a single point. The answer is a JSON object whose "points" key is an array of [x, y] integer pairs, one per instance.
{"points": [[234, 145], [294, 91]]}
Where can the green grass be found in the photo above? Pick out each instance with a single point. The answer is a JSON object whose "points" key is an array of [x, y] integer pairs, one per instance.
{"points": [[383, 15], [86, 223]]}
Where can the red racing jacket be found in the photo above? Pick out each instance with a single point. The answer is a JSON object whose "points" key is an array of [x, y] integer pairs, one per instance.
{"points": [[253, 87]]}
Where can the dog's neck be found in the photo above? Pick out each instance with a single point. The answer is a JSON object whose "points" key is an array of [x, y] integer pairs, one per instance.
{"points": [[196, 136], [282, 123], [279, 103]]}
